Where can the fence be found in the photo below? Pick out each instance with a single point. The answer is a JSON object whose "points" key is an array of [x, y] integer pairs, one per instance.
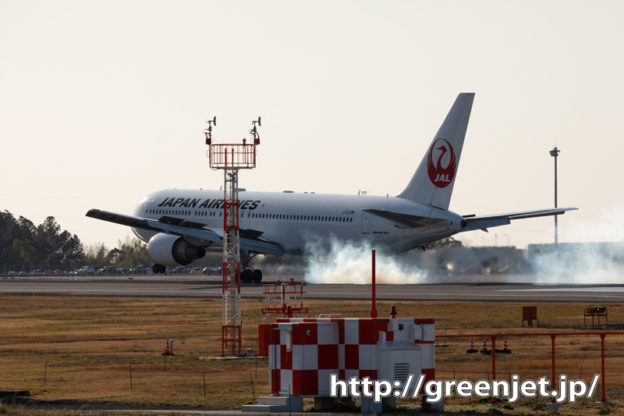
{"points": [[175, 380], [533, 352]]}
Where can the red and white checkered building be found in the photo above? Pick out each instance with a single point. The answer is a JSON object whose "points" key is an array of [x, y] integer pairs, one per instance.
{"points": [[303, 352]]}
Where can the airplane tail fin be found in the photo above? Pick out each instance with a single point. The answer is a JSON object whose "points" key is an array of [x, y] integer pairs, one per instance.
{"points": [[432, 183]]}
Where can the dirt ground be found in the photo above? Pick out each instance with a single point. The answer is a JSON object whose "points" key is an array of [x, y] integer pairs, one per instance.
{"points": [[109, 350]]}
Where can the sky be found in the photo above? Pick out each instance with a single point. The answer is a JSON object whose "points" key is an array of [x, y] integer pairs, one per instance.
{"points": [[103, 102]]}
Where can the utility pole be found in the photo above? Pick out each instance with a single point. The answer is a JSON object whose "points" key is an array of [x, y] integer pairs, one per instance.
{"points": [[555, 153]]}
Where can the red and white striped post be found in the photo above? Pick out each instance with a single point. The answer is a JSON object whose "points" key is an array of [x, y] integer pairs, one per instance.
{"points": [[373, 311]]}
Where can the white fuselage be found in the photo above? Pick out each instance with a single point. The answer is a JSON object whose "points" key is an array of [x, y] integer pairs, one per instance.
{"points": [[292, 219], [180, 224]]}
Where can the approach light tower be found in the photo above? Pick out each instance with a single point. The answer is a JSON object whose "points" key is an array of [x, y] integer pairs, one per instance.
{"points": [[555, 153], [231, 158]]}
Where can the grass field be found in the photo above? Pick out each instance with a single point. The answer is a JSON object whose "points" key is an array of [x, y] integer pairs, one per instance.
{"points": [[109, 349]]}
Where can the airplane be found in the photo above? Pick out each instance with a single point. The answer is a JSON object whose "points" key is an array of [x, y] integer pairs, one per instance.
{"points": [[179, 224]]}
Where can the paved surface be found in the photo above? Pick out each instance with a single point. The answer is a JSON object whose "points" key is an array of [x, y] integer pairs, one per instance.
{"points": [[173, 287]]}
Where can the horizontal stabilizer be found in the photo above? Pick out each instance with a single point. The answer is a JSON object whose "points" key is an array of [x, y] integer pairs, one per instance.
{"points": [[487, 221]]}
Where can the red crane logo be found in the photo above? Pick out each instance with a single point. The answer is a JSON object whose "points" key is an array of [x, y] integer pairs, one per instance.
{"points": [[441, 176]]}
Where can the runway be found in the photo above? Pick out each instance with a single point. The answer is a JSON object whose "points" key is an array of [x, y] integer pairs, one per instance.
{"points": [[212, 289]]}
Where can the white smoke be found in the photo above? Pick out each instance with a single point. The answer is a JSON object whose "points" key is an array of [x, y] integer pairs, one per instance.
{"points": [[595, 257], [600, 260], [335, 261], [581, 263]]}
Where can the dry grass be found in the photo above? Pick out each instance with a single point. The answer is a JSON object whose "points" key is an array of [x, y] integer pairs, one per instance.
{"points": [[90, 344]]}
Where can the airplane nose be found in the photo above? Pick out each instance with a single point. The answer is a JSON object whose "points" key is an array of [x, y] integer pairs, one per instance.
{"points": [[139, 211]]}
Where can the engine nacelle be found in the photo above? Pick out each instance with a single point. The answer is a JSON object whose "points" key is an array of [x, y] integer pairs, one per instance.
{"points": [[172, 250]]}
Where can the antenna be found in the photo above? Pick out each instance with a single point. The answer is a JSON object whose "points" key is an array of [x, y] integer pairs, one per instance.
{"points": [[254, 130], [208, 131]]}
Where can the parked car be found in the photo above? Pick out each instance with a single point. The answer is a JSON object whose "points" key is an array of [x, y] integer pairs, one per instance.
{"points": [[212, 270], [106, 271], [85, 271]]}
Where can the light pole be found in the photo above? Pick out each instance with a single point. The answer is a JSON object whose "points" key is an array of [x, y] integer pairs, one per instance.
{"points": [[555, 153]]}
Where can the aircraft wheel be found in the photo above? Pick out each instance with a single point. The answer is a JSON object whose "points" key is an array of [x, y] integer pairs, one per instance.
{"points": [[158, 268], [246, 276], [257, 276]]}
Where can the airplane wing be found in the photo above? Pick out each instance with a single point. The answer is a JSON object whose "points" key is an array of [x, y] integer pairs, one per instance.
{"points": [[411, 221], [248, 241], [484, 222]]}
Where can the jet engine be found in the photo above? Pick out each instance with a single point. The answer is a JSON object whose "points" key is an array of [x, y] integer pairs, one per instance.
{"points": [[171, 250]]}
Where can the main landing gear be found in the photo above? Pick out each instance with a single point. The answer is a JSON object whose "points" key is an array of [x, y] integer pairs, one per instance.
{"points": [[249, 274], [159, 268]]}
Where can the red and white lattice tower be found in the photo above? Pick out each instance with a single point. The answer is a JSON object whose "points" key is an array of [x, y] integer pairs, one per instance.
{"points": [[231, 158]]}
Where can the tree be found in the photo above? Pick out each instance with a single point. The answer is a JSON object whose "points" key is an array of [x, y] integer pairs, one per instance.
{"points": [[26, 254], [71, 253], [47, 242], [9, 256], [130, 253], [97, 256], [26, 246]]}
